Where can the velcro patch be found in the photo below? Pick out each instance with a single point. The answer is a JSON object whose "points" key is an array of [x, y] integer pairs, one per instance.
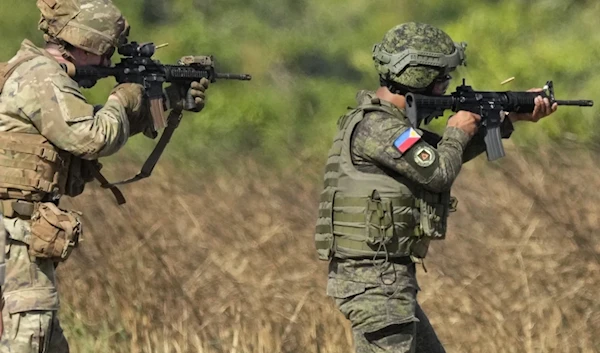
{"points": [[424, 156], [406, 140]]}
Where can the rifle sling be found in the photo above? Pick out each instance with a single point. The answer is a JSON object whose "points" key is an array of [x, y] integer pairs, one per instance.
{"points": [[172, 123], [105, 184]]}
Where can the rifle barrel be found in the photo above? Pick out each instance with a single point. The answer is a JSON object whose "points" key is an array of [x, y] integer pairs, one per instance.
{"points": [[227, 76], [581, 103]]}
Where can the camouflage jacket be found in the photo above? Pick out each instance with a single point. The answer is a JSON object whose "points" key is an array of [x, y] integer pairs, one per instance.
{"points": [[40, 98], [373, 149]]}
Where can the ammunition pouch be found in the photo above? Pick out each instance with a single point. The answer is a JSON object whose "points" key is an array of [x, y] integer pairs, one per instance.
{"points": [[372, 215], [372, 226], [434, 210], [16, 208], [379, 222], [32, 167], [376, 226], [54, 232]]}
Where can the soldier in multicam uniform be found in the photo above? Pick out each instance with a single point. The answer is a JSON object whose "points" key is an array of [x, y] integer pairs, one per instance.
{"points": [[49, 139], [387, 190]]}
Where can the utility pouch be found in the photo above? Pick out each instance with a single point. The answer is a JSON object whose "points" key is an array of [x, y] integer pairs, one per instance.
{"points": [[379, 221], [434, 210], [54, 232]]}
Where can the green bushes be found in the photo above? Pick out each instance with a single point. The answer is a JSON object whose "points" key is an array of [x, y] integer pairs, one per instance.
{"points": [[309, 57]]}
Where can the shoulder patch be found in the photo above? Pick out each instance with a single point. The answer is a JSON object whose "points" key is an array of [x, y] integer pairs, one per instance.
{"points": [[424, 156], [406, 140]]}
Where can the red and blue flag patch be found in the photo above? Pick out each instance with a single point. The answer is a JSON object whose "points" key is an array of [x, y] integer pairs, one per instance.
{"points": [[406, 140]]}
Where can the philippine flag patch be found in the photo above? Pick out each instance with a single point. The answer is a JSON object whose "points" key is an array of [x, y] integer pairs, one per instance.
{"points": [[406, 140]]}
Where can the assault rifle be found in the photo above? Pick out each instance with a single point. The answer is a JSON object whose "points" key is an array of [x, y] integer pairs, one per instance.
{"points": [[138, 66], [492, 106]]}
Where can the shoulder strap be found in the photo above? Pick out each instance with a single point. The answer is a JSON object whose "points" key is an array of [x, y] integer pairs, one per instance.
{"points": [[375, 105], [6, 69]]}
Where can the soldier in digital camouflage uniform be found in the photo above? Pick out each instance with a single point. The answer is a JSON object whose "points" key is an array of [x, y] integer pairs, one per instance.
{"points": [[387, 190], [49, 139]]}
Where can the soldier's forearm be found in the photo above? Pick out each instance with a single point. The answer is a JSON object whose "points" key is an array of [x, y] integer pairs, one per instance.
{"points": [[101, 136]]}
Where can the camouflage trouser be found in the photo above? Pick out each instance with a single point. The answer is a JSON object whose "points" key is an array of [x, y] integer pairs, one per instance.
{"points": [[33, 331], [382, 307], [31, 297]]}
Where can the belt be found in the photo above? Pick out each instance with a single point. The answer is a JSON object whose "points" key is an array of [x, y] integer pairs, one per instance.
{"points": [[13, 208]]}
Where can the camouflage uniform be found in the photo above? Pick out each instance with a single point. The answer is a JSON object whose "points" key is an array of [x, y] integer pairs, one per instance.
{"points": [[39, 100], [371, 215]]}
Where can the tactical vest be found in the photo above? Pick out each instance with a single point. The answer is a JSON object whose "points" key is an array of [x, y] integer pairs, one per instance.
{"points": [[30, 166], [373, 215]]}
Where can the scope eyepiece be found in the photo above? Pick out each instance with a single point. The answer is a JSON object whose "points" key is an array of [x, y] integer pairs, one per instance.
{"points": [[135, 49]]}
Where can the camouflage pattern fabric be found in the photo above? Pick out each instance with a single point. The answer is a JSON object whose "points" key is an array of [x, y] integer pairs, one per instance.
{"points": [[379, 297], [373, 148], [35, 331], [29, 314], [95, 26], [39, 97], [380, 300], [416, 36], [30, 283]]}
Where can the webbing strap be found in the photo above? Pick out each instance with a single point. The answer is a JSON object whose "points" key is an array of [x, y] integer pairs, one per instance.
{"points": [[363, 246], [43, 152], [11, 163], [105, 184], [172, 123], [36, 183], [349, 201], [359, 218]]}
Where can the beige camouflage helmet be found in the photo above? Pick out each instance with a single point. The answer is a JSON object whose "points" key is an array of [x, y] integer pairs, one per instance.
{"points": [[96, 26], [414, 54]]}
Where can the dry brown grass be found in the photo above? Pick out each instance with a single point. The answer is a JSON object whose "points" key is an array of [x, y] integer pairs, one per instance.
{"points": [[226, 264]]}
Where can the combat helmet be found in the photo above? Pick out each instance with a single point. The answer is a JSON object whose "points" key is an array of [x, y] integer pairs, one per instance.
{"points": [[412, 55], [96, 26]]}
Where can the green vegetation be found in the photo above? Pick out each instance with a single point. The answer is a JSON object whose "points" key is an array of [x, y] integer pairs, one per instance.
{"points": [[309, 57], [225, 263]]}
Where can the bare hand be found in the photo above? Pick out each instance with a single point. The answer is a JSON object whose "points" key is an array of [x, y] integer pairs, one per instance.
{"points": [[541, 110], [466, 121]]}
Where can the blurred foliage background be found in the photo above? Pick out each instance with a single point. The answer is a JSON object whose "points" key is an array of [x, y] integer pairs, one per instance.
{"points": [[309, 57]]}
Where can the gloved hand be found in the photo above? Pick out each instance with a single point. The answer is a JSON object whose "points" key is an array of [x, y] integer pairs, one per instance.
{"points": [[191, 99], [131, 96]]}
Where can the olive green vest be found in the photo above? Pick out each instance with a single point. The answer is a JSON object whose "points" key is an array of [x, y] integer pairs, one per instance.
{"points": [[373, 215]]}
